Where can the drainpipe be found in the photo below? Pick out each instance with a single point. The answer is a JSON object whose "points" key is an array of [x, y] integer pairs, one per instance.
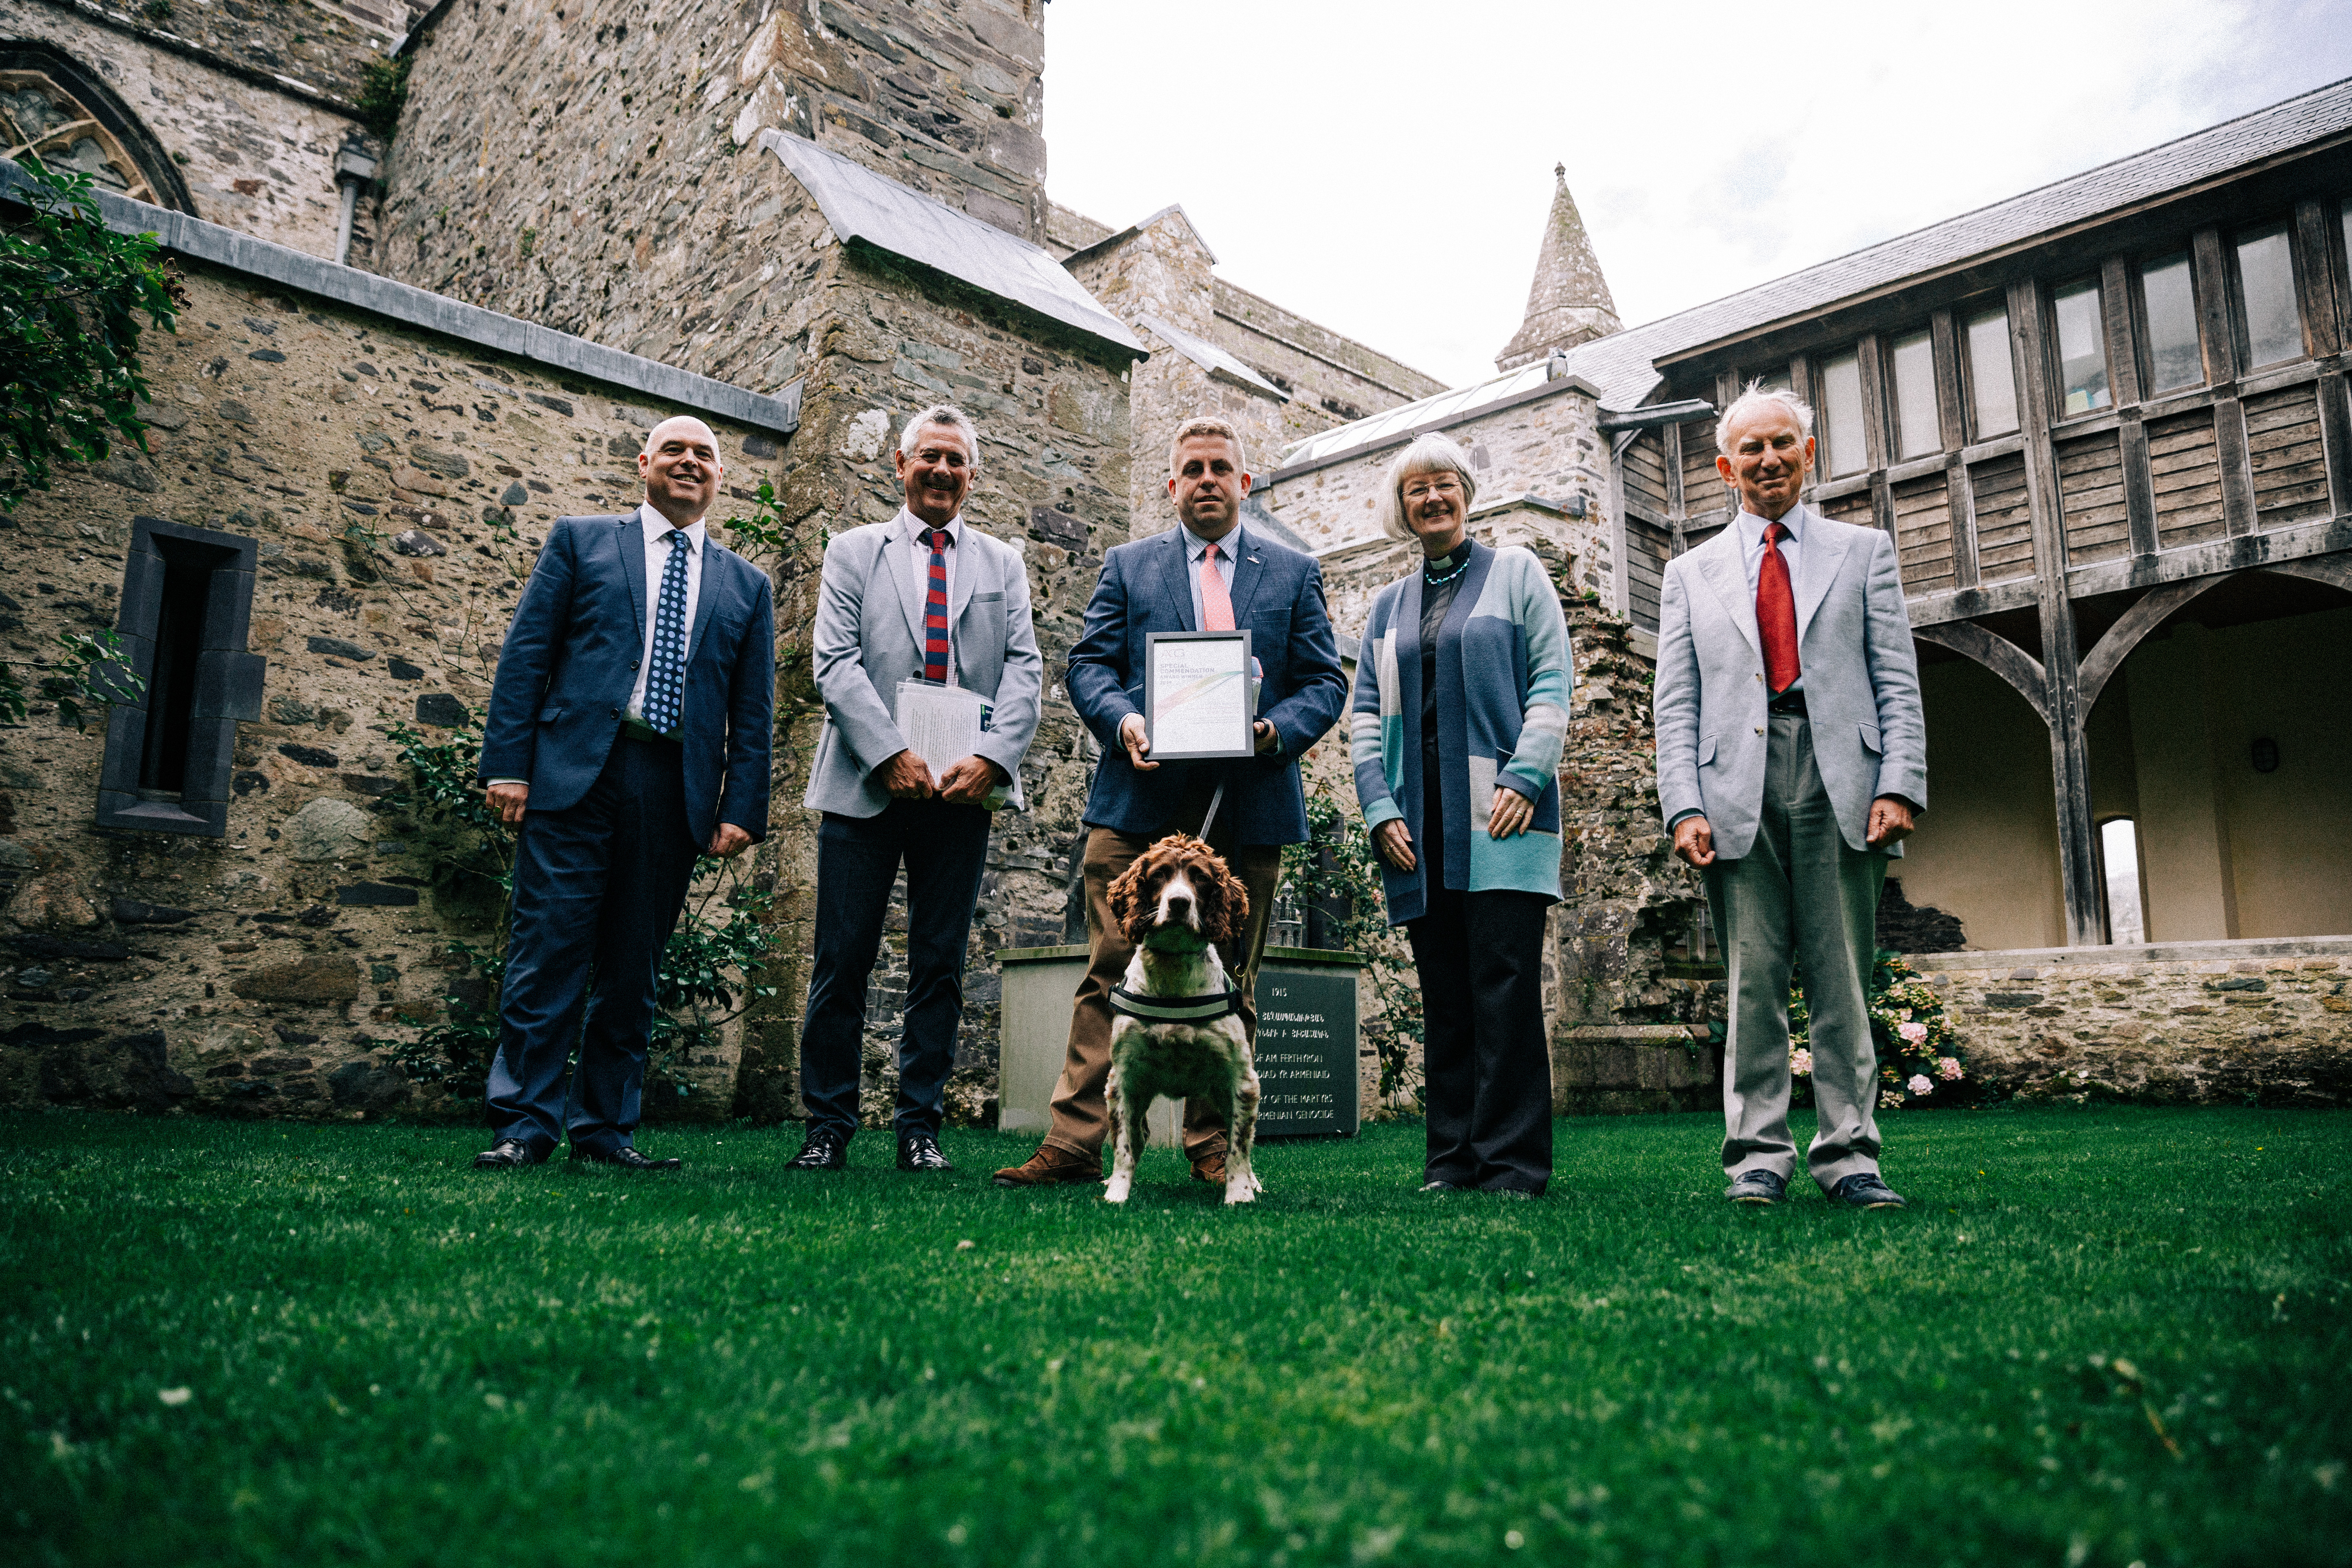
{"points": [[353, 171]]}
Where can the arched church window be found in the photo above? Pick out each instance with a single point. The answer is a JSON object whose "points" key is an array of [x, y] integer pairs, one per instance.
{"points": [[55, 111]]}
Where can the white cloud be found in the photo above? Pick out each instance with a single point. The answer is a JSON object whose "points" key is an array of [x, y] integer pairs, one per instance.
{"points": [[1386, 169]]}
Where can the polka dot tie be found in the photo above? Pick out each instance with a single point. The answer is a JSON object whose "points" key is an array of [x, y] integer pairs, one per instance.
{"points": [[666, 681]]}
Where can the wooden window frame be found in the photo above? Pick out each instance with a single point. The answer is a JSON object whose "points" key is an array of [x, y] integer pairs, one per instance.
{"points": [[1963, 313], [2053, 356], [2143, 342], [2234, 284]]}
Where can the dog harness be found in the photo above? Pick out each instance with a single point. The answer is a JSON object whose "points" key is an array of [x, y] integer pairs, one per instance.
{"points": [[1205, 1009]]}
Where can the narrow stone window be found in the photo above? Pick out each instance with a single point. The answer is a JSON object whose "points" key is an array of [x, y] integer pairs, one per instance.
{"points": [[1914, 397], [2267, 290], [2082, 349], [188, 600], [2173, 359], [1841, 414], [1992, 380]]}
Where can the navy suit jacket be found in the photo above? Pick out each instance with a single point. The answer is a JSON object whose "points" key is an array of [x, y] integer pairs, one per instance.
{"points": [[1278, 595], [570, 662]]}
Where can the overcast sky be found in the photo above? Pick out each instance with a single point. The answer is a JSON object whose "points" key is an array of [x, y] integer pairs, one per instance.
{"points": [[1385, 169]]}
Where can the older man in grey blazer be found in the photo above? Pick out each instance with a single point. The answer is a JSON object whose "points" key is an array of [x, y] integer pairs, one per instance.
{"points": [[924, 597], [1792, 762]]}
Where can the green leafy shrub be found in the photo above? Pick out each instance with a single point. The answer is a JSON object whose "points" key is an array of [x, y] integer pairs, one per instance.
{"points": [[707, 969], [1334, 870], [1918, 1056]]}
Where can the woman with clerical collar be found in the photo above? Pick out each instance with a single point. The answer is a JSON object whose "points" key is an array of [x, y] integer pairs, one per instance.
{"points": [[1460, 714]]}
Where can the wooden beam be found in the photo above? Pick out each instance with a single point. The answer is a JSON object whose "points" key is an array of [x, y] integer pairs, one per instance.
{"points": [[2335, 440], [2208, 275], [1671, 444], [2078, 861], [2123, 344], [2315, 277], [1876, 436], [2236, 459], [1997, 654], [2335, 571], [2143, 617], [1950, 411], [1960, 502], [2139, 484]]}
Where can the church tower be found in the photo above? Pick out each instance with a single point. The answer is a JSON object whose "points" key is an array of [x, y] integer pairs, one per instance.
{"points": [[1568, 302]]}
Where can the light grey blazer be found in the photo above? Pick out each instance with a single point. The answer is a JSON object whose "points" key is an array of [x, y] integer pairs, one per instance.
{"points": [[868, 638], [1861, 675]]}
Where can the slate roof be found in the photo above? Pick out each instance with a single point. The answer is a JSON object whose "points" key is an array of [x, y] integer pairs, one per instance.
{"points": [[1221, 365], [863, 206], [1622, 363]]}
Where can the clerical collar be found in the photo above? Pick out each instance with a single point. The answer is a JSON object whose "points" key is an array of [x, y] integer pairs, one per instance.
{"points": [[1448, 566]]}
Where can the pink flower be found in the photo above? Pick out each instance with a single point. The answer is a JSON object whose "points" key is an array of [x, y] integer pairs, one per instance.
{"points": [[1948, 1069], [1914, 1032], [1801, 1063], [1919, 1084]]}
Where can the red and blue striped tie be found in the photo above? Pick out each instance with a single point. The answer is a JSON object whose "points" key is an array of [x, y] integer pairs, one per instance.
{"points": [[935, 612]]}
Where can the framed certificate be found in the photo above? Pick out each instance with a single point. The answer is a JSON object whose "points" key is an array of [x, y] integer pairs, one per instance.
{"points": [[1197, 701]]}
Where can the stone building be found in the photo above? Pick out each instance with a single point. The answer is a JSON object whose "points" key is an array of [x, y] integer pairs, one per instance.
{"points": [[421, 328]]}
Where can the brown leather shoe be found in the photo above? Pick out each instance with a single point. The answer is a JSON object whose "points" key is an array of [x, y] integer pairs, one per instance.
{"points": [[1051, 1167], [1210, 1168]]}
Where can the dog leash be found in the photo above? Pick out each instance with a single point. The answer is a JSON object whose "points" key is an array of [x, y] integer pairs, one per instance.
{"points": [[1215, 801]]}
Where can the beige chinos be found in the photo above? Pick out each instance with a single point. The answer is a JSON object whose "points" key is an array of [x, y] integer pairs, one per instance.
{"points": [[1800, 892]]}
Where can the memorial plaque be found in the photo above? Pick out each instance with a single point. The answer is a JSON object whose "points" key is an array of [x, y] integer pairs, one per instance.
{"points": [[1305, 1050]]}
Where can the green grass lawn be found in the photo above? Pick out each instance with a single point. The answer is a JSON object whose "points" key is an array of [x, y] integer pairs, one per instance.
{"points": [[2099, 1337]]}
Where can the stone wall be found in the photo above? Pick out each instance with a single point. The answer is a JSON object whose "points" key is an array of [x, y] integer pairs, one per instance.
{"points": [[596, 168], [398, 482], [2191, 1022], [1053, 410], [1335, 379], [251, 101], [1550, 447]]}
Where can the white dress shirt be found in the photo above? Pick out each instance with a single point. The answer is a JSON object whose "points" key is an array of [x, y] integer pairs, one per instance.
{"points": [[657, 532], [1196, 552], [1751, 552], [913, 564]]}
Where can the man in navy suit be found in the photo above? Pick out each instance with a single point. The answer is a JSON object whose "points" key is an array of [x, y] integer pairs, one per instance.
{"points": [[628, 732], [1210, 573]]}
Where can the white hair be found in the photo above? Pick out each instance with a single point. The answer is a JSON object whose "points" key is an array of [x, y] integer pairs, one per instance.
{"points": [[1436, 452], [949, 416], [1758, 395]]}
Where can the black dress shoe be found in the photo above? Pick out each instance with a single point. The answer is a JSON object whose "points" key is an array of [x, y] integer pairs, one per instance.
{"points": [[921, 1151], [1866, 1190], [627, 1158], [1757, 1186], [825, 1150], [507, 1155]]}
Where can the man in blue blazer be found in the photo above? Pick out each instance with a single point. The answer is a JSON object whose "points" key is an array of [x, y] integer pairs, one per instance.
{"points": [[1210, 574], [628, 732]]}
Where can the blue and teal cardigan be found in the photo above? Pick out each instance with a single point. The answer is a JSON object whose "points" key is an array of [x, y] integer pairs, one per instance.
{"points": [[1504, 676]]}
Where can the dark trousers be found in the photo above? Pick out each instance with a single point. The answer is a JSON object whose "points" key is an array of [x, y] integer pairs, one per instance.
{"points": [[597, 888], [944, 846], [1485, 1067]]}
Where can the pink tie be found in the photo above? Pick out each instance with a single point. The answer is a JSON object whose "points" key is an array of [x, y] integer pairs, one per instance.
{"points": [[1216, 604]]}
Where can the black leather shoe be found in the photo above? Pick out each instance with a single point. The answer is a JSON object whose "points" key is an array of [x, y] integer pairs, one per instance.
{"points": [[1758, 1187], [507, 1155], [1865, 1190], [825, 1151], [628, 1159], [921, 1151]]}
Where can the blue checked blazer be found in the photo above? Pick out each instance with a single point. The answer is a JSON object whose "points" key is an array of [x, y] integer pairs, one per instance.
{"points": [[570, 662]]}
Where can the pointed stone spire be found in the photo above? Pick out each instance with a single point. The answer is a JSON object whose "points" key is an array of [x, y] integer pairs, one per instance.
{"points": [[1568, 302]]}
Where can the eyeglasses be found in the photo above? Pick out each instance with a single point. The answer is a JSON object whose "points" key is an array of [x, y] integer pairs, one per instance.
{"points": [[1435, 484]]}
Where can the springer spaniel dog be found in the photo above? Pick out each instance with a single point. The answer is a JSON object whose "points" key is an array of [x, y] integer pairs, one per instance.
{"points": [[1175, 1026]]}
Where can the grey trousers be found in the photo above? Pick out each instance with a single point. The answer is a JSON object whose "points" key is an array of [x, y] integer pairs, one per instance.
{"points": [[1800, 893]]}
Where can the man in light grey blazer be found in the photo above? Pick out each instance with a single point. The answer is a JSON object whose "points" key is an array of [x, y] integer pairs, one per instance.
{"points": [[925, 596], [1792, 758]]}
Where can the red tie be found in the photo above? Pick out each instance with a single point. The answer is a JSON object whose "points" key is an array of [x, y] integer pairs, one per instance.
{"points": [[1217, 604], [935, 609], [1776, 613]]}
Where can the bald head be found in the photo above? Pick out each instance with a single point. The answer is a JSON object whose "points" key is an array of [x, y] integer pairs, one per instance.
{"points": [[681, 468]]}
